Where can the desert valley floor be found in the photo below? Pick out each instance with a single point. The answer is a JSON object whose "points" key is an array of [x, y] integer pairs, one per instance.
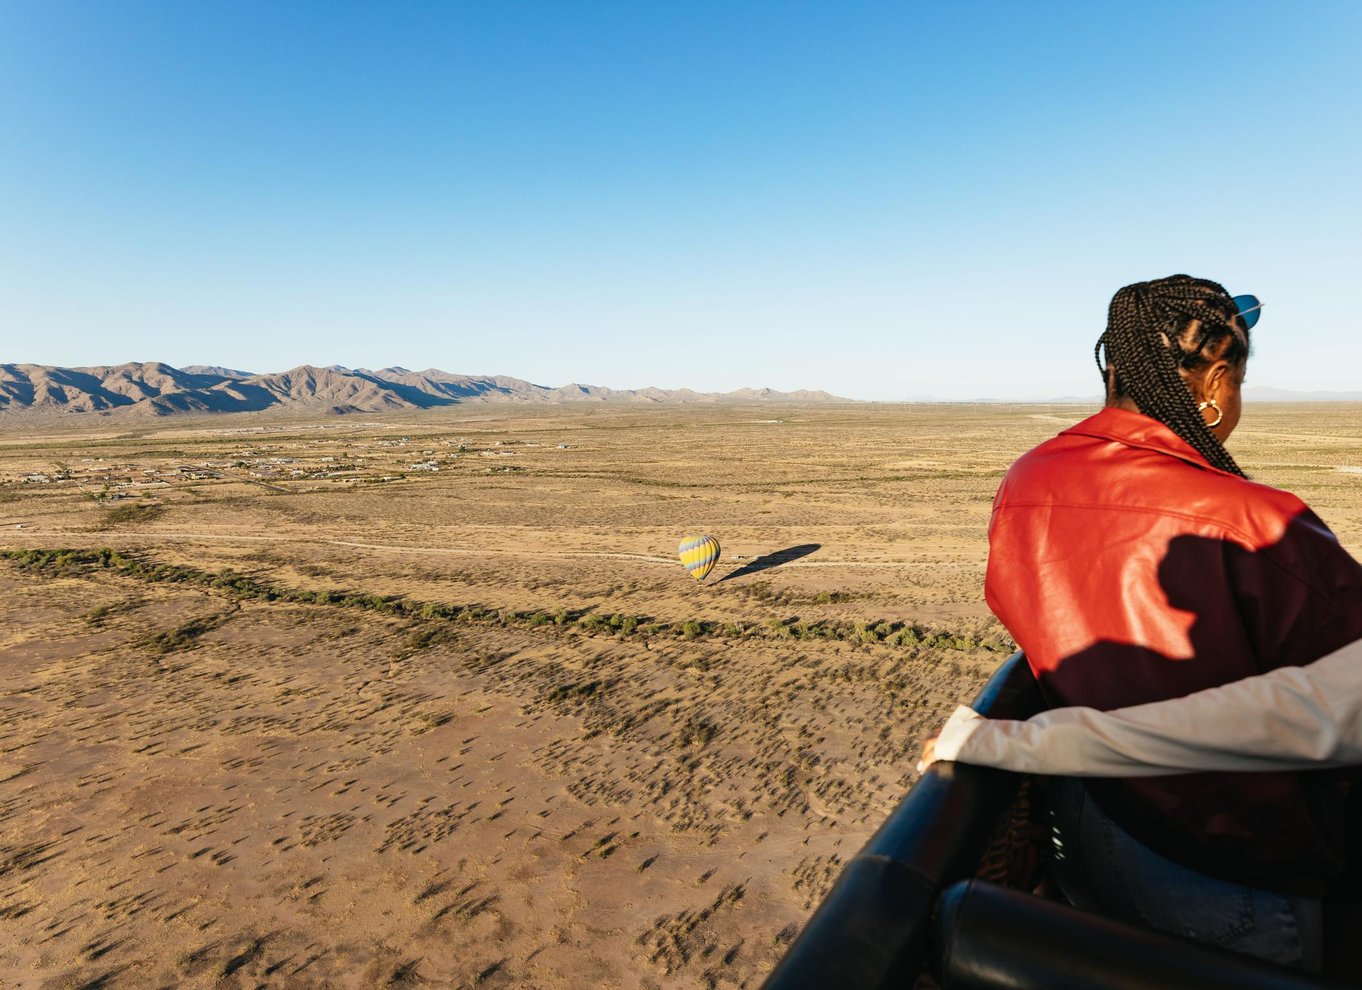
{"points": [[426, 699]]}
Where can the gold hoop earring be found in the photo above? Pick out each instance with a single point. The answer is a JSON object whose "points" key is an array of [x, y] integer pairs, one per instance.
{"points": [[1219, 413]]}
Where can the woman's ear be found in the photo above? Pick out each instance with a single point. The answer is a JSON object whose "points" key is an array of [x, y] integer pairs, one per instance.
{"points": [[1215, 382]]}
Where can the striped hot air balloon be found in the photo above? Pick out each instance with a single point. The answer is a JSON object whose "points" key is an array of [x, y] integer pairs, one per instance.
{"points": [[699, 554]]}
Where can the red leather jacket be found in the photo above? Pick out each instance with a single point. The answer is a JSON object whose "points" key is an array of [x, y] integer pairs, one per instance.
{"points": [[1130, 570]]}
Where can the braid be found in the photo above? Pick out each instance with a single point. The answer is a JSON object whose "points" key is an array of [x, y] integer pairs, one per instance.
{"points": [[1145, 352]]}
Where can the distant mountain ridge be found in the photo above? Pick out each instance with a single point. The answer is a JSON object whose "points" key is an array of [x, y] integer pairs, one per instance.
{"points": [[157, 389]]}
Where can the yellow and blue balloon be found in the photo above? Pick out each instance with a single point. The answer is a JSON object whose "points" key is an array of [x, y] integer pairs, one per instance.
{"points": [[699, 554]]}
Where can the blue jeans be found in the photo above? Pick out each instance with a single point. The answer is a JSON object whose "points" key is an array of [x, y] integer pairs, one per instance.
{"points": [[1101, 868]]}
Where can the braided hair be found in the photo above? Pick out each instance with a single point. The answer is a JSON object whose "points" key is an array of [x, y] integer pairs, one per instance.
{"points": [[1146, 348]]}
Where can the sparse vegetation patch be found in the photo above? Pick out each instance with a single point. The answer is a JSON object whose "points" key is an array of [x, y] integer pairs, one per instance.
{"points": [[131, 513]]}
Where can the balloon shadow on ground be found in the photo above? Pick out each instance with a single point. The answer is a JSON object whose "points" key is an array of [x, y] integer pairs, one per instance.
{"points": [[770, 560]]}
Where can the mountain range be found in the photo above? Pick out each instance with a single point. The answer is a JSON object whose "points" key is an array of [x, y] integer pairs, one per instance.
{"points": [[156, 389]]}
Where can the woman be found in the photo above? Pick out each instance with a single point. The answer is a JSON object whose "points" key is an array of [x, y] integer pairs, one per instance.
{"points": [[1133, 563]]}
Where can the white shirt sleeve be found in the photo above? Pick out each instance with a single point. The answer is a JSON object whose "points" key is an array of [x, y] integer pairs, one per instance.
{"points": [[1293, 718]]}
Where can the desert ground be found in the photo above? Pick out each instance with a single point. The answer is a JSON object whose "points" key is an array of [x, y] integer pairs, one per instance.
{"points": [[427, 700]]}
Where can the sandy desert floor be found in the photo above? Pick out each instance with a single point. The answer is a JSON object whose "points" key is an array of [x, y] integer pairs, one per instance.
{"points": [[427, 701]]}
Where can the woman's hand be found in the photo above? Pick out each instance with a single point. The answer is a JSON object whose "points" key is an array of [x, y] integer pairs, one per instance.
{"points": [[958, 728], [928, 755]]}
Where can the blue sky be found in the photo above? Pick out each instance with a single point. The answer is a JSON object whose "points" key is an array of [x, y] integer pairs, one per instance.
{"points": [[882, 200]]}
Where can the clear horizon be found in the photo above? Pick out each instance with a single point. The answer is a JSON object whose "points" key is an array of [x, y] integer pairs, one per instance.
{"points": [[877, 202]]}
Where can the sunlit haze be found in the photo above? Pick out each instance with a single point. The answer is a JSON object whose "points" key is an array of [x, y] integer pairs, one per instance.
{"points": [[881, 200]]}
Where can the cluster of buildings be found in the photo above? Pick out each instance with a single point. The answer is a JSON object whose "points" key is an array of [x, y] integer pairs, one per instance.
{"points": [[366, 461]]}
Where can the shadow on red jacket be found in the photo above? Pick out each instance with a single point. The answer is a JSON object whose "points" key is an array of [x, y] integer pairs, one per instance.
{"points": [[1130, 570]]}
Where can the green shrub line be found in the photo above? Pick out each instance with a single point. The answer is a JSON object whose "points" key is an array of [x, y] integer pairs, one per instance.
{"points": [[895, 634]]}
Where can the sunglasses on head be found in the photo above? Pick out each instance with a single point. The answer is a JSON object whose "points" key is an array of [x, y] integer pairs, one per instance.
{"points": [[1249, 309]]}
